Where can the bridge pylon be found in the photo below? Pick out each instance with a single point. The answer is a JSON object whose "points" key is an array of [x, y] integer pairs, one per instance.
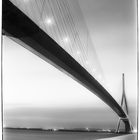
{"points": [[124, 105]]}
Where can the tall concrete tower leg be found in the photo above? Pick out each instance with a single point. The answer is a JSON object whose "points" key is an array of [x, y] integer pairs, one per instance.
{"points": [[118, 126], [127, 126]]}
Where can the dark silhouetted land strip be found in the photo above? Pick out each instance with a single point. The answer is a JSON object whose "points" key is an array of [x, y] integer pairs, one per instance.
{"points": [[65, 134]]}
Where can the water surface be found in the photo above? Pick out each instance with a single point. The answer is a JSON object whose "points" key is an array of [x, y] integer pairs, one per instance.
{"points": [[12, 134]]}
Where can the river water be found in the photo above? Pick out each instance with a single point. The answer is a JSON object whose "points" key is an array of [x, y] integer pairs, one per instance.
{"points": [[42, 135]]}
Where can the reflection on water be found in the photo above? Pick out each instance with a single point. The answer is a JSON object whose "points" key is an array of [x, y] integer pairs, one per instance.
{"points": [[42, 135]]}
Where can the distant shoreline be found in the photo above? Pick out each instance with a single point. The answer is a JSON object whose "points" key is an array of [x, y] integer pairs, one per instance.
{"points": [[67, 130]]}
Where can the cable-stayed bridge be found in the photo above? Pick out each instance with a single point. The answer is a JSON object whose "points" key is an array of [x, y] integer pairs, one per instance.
{"points": [[50, 30]]}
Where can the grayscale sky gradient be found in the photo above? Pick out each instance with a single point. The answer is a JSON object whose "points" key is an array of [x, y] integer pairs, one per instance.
{"points": [[112, 26]]}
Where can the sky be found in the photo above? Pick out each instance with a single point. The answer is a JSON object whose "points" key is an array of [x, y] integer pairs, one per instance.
{"points": [[29, 81], [112, 26]]}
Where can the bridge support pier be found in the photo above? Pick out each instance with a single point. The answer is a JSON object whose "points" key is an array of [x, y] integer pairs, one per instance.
{"points": [[128, 126]]}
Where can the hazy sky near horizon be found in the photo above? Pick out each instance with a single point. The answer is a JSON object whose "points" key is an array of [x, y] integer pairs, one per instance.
{"points": [[29, 81]]}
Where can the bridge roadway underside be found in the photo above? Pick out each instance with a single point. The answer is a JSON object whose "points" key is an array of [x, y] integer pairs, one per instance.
{"points": [[16, 24]]}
